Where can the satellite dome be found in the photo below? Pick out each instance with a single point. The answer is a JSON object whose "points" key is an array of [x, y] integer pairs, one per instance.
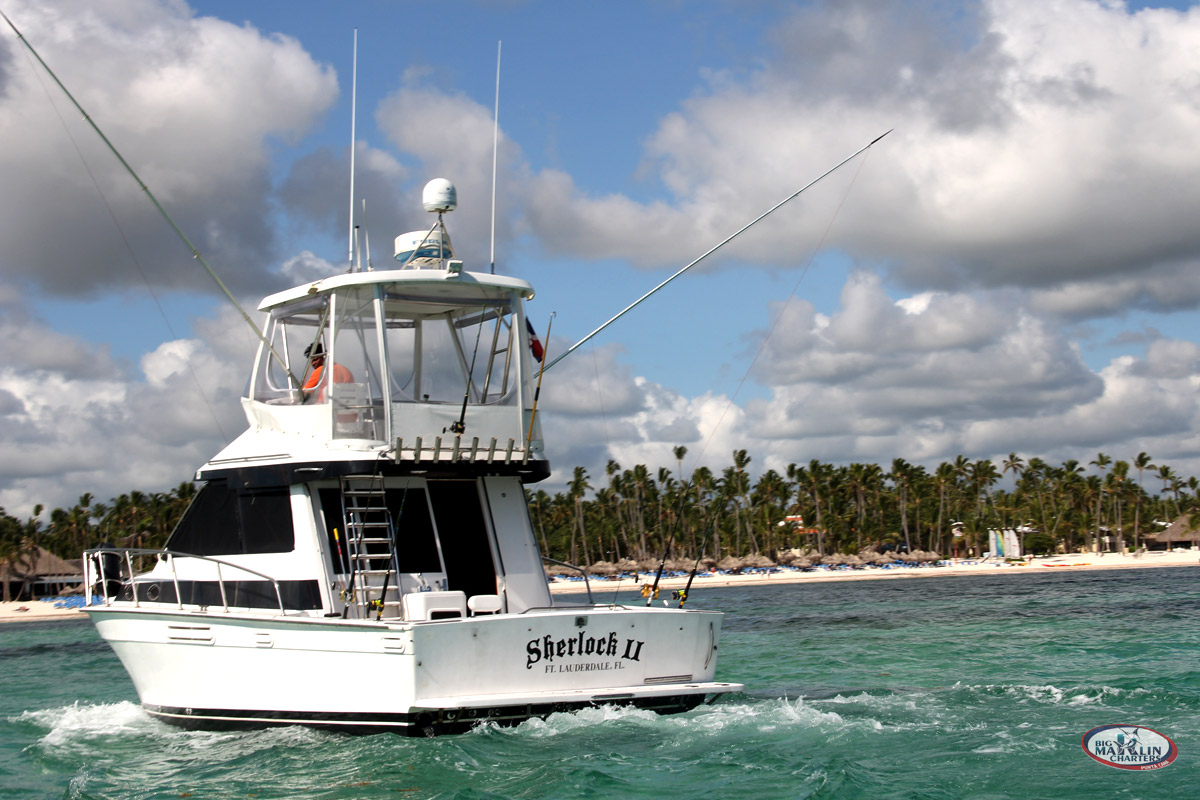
{"points": [[440, 195]]}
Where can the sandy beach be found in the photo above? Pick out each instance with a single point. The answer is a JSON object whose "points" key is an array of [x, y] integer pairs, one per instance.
{"points": [[36, 611], [41, 611], [963, 567]]}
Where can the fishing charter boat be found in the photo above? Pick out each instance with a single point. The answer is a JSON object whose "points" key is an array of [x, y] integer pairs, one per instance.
{"points": [[362, 556]]}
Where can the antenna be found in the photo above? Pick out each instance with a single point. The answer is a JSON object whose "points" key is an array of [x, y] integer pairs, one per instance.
{"points": [[495, 149], [353, 117]]}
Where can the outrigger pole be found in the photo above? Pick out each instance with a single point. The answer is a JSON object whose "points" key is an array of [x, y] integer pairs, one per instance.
{"points": [[195, 252], [717, 247]]}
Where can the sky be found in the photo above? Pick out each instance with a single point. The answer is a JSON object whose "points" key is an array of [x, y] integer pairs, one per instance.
{"points": [[1015, 268]]}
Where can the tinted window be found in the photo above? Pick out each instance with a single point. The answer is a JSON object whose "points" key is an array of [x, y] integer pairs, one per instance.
{"points": [[222, 521], [266, 519], [209, 527]]}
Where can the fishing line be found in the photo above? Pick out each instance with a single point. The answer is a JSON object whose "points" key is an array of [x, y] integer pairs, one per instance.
{"points": [[124, 239], [771, 329]]}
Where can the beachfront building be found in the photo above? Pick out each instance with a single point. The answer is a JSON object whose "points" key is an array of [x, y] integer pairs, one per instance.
{"points": [[40, 573], [1182, 533]]}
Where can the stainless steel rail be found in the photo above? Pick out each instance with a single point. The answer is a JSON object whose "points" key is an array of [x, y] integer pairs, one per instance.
{"points": [[582, 571], [95, 566]]}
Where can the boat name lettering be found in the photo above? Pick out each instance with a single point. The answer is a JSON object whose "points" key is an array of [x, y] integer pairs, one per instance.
{"points": [[547, 648]]}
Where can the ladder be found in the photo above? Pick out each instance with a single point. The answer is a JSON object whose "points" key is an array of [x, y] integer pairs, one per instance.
{"points": [[374, 586]]}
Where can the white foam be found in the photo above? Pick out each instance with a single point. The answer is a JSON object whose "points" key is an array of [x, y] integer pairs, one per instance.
{"points": [[1049, 694], [88, 721]]}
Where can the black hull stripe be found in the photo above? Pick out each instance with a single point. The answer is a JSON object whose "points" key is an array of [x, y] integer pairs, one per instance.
{"points": [[421, 723]]}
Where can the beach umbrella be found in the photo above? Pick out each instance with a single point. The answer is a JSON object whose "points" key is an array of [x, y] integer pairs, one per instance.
{"points": [[606, 568], [729, 563], [757, 561], [853, 561]]}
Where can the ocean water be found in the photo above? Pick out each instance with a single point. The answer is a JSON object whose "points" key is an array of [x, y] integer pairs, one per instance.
{"points": [[946, 687]]}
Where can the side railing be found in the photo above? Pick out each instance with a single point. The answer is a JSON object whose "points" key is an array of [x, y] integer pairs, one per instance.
{"points": [[586, 583], [106, 567]]}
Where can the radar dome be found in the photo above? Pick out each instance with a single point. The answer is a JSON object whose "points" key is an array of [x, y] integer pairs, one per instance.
{"points": [[440, 195]]}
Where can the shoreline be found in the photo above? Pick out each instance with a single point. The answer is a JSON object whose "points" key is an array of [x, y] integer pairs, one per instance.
{"points": [[43, 611], [1075, 562]]}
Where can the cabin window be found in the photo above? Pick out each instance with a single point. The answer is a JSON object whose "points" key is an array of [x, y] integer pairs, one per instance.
{"points": [[222, 521]]}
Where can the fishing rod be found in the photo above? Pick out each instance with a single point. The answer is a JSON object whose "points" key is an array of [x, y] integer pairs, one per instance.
{"points": [[187, 242], [682, 595], [718, 246], [651, 592]]}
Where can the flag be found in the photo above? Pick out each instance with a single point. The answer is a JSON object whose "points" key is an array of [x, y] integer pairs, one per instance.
{"points": [[535, 345]]}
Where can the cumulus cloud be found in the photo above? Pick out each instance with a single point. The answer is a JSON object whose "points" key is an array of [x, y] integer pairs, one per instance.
{"points": [[1041, 175], [170, 90], [1041, 146], [451, 137], [106, 429]]}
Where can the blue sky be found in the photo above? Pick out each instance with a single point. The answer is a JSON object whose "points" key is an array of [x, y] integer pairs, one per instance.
{"points": [[1013, 269]]}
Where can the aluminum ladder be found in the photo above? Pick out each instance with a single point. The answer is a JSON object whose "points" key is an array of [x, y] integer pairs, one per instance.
{"points": [[374, 587]]}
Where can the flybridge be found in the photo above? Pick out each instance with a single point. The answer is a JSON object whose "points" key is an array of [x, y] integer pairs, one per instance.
{"points": [[421, 357]]}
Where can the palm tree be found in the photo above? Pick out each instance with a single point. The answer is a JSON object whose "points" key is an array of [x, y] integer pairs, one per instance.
{"points": [[1141, 463], [575, 491], [1167, 476], [1101, 462], [900, 475], [11, 535]]}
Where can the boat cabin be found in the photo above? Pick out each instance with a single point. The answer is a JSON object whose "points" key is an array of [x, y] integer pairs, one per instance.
{"points": [[391, 431]]}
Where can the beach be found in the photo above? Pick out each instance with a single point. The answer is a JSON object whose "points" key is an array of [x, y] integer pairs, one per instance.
{"points": [[963, 567], [41, 611], [36, 611]]}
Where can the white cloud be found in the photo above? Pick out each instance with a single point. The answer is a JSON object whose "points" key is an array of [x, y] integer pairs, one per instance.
{"points": [[1036, 145], [1042, 172], [170, 90], [69, 431]]}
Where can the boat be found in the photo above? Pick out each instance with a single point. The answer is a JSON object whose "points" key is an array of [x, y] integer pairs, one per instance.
{"points": [[362, 557]]}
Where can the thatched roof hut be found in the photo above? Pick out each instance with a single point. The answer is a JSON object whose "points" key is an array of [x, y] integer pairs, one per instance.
{"points": [[729, 563], [1183, 532]]}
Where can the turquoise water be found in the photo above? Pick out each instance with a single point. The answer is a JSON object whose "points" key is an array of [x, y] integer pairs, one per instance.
{"points": [[947, 687]]}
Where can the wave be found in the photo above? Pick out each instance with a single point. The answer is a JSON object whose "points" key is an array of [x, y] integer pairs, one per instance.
{"points": [[1049, 694], [88, 721]]}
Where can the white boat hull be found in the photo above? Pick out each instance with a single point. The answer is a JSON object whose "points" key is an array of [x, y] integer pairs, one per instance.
{"points": [[416, 678]]}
